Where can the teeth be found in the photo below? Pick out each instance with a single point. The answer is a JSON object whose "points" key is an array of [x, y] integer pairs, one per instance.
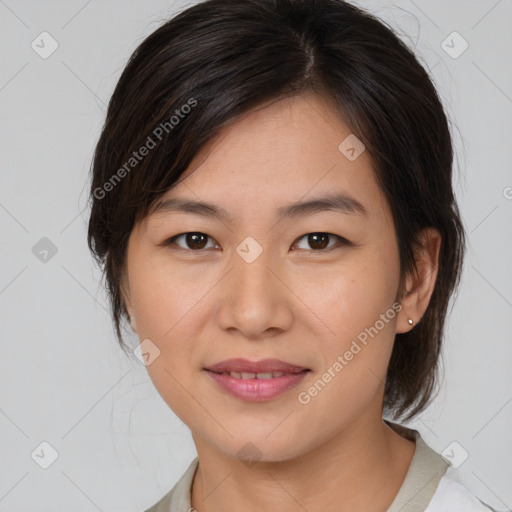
{"points": [[248, 375], [264, 375]]}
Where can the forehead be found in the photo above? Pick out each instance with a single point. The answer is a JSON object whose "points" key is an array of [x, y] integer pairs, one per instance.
{"points": [[286, 151]]}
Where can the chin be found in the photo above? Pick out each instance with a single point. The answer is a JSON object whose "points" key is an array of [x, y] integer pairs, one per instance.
{"points": [[251, 448]]}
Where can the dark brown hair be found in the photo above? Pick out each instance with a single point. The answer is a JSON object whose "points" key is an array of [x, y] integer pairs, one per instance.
{"points": [[220, 58]]}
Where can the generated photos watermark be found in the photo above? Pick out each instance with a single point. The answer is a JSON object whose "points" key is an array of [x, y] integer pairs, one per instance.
{"points": [[304, 397], [150, 143]]}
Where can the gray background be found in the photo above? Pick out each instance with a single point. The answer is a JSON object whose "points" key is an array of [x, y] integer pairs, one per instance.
{"points": [[63, 378]]}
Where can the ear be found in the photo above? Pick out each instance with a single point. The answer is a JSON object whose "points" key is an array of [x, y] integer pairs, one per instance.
{"points": [[127, 299], [419, 285]]}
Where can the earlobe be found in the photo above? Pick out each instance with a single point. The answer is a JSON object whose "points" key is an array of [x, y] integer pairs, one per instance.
{"points": [[420, 285], [405, 320]]}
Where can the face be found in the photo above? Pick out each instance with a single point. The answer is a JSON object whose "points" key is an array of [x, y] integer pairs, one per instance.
{"points": [[314, 287]]}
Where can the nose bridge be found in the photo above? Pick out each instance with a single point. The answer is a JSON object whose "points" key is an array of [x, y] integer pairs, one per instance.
{"points": [[252, 302], [251, 273]]}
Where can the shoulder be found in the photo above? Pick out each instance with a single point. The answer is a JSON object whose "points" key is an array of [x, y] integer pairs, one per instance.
{"points": [[452, 495]]}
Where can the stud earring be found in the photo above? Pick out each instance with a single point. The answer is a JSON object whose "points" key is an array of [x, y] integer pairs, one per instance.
{"points": [[410, 321]]}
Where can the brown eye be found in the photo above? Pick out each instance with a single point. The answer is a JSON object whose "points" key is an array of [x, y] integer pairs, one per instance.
{"points": [[320, 241], [196, 240], [193, 240]]}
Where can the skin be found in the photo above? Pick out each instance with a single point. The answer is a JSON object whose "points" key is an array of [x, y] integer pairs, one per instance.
{"points": [[295, 302]]}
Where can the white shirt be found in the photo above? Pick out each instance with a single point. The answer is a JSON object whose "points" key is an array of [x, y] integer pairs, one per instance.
{"points": [[453, 496], [430, 485]]}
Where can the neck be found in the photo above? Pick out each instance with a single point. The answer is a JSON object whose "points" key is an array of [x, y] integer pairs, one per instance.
{"points": [[361, 468]]}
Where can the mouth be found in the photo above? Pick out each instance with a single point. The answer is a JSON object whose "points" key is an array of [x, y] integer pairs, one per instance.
{"points": [[256, 381]]}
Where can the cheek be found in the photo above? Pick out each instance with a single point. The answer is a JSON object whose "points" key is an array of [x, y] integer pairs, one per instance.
{"points": [[356, 310], [168, 298], [350, 297], [360, 311], [169, 314]]}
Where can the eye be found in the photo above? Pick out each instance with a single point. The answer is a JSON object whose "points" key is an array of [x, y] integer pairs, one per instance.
{"points": [[193, 240], [319, 241]]}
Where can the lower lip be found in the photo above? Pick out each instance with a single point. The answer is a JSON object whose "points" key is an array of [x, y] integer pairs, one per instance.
{"points": [[257, 390]]}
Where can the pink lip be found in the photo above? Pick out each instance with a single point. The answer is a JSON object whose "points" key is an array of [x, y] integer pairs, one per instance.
{"points": [[257, 390]]}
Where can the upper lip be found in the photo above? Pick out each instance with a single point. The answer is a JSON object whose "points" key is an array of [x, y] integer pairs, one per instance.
{"points": [[262, 366]]}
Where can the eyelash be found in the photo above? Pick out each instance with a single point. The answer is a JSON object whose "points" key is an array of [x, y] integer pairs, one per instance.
{"points": [[341, 241]]}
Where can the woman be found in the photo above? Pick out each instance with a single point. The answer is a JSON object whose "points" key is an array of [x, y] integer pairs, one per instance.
{"points": [[273, 208]]}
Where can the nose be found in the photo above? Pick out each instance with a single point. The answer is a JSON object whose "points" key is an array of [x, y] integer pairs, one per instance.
{"points": [[254, 299]]}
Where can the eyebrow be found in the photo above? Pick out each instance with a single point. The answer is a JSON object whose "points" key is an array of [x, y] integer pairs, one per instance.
{"points": [[339, 202]]}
